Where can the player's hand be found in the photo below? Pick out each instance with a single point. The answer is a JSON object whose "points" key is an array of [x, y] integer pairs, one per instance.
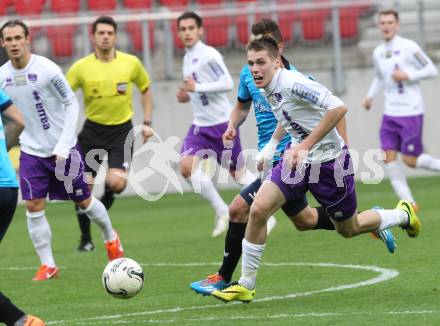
{"points": [[182, 96], [399, 75], [367, 103], [147, 132], [265, 157], [189, 85], [228, 137], [294, 156]]}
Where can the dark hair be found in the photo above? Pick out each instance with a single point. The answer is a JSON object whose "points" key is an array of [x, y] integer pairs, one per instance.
{"points": [[104, 20], [389, 12], [12, 23], [266, 42], [190, 15], [267, 26]]}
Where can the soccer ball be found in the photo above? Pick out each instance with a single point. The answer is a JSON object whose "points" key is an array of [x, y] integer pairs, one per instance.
{"points": [[123, 278]]}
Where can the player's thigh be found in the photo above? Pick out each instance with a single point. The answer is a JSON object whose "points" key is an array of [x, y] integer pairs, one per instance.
{"points": [[35, 175], [240, 205], [268, 199], [390, 156], [188, 164]]}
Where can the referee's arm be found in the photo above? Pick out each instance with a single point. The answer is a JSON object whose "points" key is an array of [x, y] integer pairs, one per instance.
{"points": [[147, 104]]}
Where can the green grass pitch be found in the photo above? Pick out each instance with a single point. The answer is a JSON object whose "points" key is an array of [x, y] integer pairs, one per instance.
{"points": [[307, 278]]}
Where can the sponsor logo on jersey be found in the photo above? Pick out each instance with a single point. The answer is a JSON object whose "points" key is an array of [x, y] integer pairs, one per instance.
{"points": [[20, 80], [39, 105], [60, 86], [121, 88], [32, 77], [194, 60], [305, 93]]}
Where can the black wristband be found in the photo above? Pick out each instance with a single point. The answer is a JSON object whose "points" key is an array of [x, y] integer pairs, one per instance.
{"points": [[147, 123]]}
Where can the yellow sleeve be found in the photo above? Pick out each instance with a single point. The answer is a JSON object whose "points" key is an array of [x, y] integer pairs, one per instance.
{"points": [[72, 77], [140, 76]]}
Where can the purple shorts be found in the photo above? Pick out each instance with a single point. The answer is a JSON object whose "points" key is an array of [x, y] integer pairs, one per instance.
{"points": [[402, 134], [39, 177], [207, 142], [331, 183]]}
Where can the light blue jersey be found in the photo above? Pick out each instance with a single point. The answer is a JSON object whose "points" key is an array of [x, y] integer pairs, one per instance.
{"points": [[266, 121], [7, 172]]}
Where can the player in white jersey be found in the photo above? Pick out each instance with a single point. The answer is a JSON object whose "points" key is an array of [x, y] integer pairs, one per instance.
{"points": [[399, 66], [50, 163], [206, 81], [316, 161]]}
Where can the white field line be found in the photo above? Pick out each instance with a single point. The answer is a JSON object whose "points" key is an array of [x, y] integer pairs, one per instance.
{"points": [[384, 275]]}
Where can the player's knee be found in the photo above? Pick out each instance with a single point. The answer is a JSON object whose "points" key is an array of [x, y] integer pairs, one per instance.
{"points": [[185, 171], [238, 210], [409, 161], [117, 186], [347, 233], [302, 225], [258, 212]]}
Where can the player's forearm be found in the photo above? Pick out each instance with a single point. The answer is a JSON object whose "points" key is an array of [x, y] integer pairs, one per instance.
{"points": [[14, 126], [147, 104], [429, 71], [239, 114], [330, 120], [376, 87], [341, 127], [68, 135], [278, 133], [224, 84]]}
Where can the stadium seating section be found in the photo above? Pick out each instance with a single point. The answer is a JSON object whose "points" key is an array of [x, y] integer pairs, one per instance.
{"points": [[309, 26]]}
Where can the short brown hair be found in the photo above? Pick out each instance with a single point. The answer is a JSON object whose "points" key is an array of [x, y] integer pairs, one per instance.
{"points": [[15, 22], [190, 15], [389, 12], [266, 42], [267, 26]]}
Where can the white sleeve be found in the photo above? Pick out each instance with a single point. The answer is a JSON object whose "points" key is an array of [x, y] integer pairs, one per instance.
{"points": [[378, 84], [223, 80], [60, 88], [421, 65], [315, 93], [67, 138]]}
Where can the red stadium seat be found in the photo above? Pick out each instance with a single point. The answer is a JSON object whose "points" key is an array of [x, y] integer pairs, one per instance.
{"points": [[61, 39], [174, 3], [216, 31], [349, 22], [286, 21], [313, 24], [134, 30], [102, 4], [3, 6], [29, 7], [242, 23], [138, 4], [65, 6], [209, 2]]}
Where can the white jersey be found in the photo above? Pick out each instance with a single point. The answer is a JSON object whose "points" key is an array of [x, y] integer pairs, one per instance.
{"points": [[205, 65], [300, 103], [48, 104], [401, 98]]}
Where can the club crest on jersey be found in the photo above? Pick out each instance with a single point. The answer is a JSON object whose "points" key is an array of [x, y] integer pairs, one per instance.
{"points": [[305, 93], [194, 60], [32, 77], [278, 97], [121, 88], [20, 80], [9, 82]]}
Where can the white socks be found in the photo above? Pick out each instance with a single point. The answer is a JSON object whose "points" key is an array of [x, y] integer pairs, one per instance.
{"points": [[98, 214], [41, 236], [251, 258], [391, 218], [203, 184], [398, 181], [425, 161]]}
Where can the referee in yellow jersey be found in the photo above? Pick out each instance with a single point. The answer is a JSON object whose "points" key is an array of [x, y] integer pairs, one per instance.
{"points": [[106, 78]]}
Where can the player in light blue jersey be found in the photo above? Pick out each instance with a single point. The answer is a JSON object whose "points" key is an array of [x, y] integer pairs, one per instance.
{"points": [[302, 216], [9, 313]]}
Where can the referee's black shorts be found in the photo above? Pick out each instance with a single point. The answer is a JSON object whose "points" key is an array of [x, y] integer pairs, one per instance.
{"points": [[97, 140]]}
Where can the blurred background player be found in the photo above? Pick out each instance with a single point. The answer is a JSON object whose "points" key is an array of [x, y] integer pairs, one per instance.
{"points": [[10, 314], [316, 161], [399, 66], [206, 81], [49, 160], [303, 217], [106, 78]]}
